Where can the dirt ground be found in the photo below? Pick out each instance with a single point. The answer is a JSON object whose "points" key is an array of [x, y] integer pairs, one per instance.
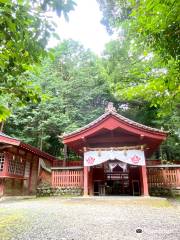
{"points": [[99, 218]]}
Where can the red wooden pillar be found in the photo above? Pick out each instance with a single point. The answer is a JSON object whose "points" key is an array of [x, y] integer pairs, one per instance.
{"points": [[85, 181], [91, 190], [178, 177], [144, 181], [52, 178]]}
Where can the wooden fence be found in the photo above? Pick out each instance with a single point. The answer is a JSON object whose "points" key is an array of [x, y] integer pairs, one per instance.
{"points": [[68, 163], [168, 177], [67, 178]]}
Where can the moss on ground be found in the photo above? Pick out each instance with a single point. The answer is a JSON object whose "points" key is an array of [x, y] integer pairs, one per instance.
{"points": [[10, 222]]}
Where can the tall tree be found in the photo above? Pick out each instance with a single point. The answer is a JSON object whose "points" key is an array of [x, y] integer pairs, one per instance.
{"points": [[153, 27], [76, 90], [148, 33], [25, 30]]}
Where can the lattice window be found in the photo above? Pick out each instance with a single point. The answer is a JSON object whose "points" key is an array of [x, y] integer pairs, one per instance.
{"points": [[16, 166], [2, 160]]}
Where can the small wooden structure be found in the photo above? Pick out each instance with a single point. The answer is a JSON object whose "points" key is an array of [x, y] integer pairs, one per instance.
{"points": [[20, 168], [127, 143]]}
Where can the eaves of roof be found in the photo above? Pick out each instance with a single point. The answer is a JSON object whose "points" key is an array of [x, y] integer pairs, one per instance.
{"points": [[121, 118], [16, 142]]}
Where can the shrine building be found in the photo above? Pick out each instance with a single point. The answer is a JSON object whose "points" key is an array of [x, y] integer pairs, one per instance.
{"points": [[113, 155], [114, 150]]}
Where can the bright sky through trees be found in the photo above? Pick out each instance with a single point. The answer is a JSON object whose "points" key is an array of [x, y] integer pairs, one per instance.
{"points": [[84, 26]]}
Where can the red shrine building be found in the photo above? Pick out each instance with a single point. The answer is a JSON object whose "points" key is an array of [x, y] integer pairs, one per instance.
{"points": [[114, 150], [21, 166], [113, 160]]}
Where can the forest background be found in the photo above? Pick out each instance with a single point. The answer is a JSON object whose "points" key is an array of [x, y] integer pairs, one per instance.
{"points": [[45, 93]]}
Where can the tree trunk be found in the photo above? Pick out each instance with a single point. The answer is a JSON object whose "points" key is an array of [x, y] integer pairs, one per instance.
{"points": [[1, 126]]}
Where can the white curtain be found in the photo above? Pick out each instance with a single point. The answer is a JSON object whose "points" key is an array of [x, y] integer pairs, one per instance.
{"points": [[134, 157]]}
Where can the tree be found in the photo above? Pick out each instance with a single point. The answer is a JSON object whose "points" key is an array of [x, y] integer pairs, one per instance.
{"points": [[25, 30], [148, 35], [153, 28], [76, 91], [76, 88]]}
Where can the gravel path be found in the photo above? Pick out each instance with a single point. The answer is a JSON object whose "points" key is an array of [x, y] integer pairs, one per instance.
{"points": [[85, 219]]}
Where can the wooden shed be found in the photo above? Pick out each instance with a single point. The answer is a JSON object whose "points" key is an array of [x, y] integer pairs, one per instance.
{"points": [[20, 168]]}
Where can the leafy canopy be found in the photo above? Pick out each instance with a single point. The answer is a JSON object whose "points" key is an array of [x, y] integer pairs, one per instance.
{"points": [[76, 90], [151, 28], [24, 32]]}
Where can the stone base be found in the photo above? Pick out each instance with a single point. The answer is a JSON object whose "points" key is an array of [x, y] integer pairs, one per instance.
{"points": [[59, 191], [164, 191]]}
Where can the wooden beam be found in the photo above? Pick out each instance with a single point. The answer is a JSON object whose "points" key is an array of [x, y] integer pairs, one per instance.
{"points": [[5, 146], [2, 186], [141, 147], [65, 155], [30, 178], [121, 139]]}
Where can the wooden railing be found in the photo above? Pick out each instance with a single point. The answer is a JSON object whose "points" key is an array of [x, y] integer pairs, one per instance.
{"points": [[158, 162], [68, 163], [163, 177], [153, 162], [67, 178]]}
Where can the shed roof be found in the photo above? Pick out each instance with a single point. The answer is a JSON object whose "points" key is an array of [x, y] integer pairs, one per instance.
{"points": [[4, 138]]}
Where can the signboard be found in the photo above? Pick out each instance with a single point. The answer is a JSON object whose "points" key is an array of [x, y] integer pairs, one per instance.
{"points": [[134, 157]]}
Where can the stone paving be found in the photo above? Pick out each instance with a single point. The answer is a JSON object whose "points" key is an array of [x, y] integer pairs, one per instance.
{"points": [[103, 218]]}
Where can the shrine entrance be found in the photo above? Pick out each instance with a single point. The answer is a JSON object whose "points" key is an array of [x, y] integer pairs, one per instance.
{"points": [[117, 181], [114, 178]]}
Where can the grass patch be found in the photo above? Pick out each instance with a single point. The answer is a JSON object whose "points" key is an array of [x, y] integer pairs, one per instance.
{"points": [[10, 223], [177, 198]]}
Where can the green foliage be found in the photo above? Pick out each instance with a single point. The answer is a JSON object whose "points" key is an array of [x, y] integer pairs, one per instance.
{"points": [[152, 30], [143, 86], [139, 71], [75, 88], [24, 32], [143, 64], [156, 23]]}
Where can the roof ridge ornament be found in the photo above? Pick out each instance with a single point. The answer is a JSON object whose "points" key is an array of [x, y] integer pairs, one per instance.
{"points": [[110, 107]]}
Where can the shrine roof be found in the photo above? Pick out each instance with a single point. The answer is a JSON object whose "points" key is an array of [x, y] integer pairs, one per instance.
{"points": [[5, 135], [5, 139], [111, 111]]}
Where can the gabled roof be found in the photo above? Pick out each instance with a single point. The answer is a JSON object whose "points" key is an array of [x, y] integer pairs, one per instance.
{"points": [[16, 142], [111, 111], [5, 135]]}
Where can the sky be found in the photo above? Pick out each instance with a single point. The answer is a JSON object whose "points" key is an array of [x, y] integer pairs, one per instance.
{"points": [[83, 26]]}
